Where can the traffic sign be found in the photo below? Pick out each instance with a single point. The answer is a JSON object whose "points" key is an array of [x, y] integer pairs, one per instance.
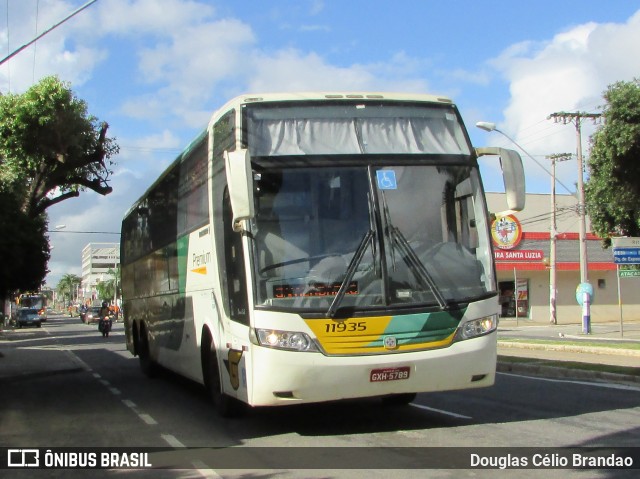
{"points": [[625, 242], [626, 255], [626, 250], [629, 270]]}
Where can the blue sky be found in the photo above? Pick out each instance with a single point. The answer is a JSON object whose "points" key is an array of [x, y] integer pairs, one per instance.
{"points": [[156, 69]]}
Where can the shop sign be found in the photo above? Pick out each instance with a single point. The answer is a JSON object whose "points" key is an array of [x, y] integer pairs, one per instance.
{"points": [[519, 255], [506, 232]]}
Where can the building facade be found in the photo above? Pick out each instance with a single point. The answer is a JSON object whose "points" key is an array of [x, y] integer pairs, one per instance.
{"points": [[522, 250], [99, 261]]}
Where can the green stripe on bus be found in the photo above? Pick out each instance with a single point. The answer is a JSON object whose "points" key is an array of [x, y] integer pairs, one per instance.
{"points": [[182, 247]]}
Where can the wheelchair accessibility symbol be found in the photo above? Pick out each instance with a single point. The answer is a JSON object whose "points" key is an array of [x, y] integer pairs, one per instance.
{"points": [[387, 180]]}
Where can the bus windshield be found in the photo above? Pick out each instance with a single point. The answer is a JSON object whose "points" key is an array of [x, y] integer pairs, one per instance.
{"points": [[35, 301], [369, 237]]}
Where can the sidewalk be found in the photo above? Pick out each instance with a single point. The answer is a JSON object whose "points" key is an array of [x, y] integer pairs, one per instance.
{"points": [[526, 346]]}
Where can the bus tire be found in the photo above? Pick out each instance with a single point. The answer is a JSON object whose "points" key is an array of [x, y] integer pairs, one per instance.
{"points": [[147, 365], [225, 405], [398, 399]]}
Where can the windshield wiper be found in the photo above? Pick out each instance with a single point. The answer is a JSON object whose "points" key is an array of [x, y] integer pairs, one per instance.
{"points": [[410, 257], [351, 269], [388, 230], [371, 237], [413, 262]]}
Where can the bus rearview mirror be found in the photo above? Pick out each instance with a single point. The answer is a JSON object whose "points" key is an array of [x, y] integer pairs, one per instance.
{"points": [[240, 182], [512, 173]]}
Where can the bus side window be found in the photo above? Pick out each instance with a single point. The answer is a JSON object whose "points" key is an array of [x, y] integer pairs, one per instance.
{"points": [[234, 266]]}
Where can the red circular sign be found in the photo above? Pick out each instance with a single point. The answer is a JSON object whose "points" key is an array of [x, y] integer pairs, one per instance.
{"points": [[506, 232]]}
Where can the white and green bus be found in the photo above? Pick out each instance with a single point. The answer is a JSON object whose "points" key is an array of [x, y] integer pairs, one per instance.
{"points": [[319, 246]]}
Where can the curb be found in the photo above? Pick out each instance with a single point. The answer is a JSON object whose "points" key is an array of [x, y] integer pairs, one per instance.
{"points": [[570, 348], [538, 369]]}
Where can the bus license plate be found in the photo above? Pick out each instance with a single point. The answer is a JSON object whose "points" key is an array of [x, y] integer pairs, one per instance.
{"points": [[389, 374]]}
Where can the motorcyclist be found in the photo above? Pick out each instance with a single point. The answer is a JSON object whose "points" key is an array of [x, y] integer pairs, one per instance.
{"points": [[105, 315]]}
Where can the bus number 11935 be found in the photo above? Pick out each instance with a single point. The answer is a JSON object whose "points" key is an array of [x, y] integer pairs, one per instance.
{"points": [[344, 327]]}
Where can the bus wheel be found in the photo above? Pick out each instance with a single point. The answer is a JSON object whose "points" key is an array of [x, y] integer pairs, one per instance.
{"points": [[398, 399], [147, 365], [225, 405]]}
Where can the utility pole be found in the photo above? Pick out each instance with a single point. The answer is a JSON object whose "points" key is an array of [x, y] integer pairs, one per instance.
{"points": [[553, 319], [576, 118]]}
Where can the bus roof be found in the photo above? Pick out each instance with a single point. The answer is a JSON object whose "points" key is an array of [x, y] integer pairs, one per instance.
{"points": [[292, 96], [320, 96]]}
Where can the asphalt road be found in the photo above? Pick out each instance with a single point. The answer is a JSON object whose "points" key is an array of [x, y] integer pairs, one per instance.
{"points": [[65, 386]]}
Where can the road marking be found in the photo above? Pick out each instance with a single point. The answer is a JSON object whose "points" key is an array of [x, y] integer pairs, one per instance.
{"points": [[75, 358], [440, 411], [172, 440], [624, 387], [205, 471], [148, 419], [201, 467], [145, 417]]}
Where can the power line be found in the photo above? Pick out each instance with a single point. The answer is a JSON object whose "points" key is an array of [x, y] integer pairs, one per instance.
{"points": [[86, 232], [15, 52], [545, 217]]}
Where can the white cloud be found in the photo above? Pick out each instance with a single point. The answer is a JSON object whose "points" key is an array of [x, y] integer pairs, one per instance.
{"points": [[135, 18], [293, 70], [192, 63], [139, 156], [314, 28], [183, 58], [317, 6], [567, 73], [54, 53]]}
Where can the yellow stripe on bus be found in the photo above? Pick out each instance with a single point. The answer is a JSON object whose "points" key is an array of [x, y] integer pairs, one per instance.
{"points": [[360, 335]]}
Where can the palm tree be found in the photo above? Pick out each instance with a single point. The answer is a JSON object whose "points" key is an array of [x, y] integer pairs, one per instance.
{"points": [[106, 288], [67, 286]]}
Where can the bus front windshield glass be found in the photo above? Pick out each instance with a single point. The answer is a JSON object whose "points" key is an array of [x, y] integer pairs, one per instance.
{"points": [[358, 238]]}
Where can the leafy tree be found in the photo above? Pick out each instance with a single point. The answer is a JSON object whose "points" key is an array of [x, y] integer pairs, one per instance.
{"points": [[106, 288], [23, 246], [612, 193], [50, 147], [68, 285]]}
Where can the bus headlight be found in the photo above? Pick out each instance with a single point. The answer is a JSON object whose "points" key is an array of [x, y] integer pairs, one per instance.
{"points": [[289, 340], [477, 327]]}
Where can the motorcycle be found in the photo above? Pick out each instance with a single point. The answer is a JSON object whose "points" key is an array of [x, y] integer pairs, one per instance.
{"points": [[104, 326]]}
